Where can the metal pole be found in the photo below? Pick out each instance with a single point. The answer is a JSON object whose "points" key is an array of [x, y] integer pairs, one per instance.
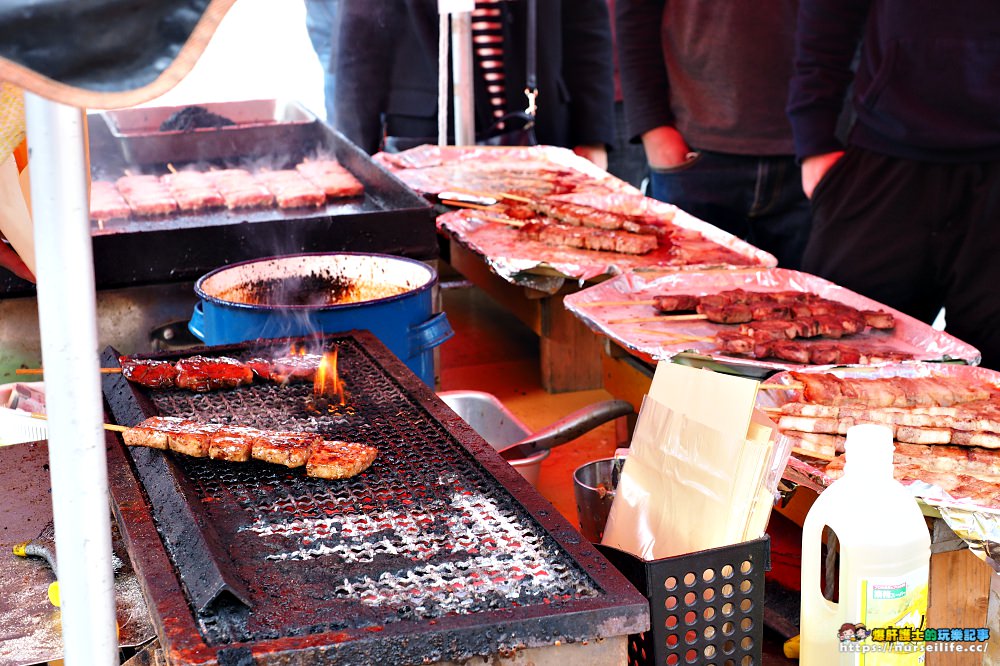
{"points": [[68, 324], [461, 65], [461, 68]]}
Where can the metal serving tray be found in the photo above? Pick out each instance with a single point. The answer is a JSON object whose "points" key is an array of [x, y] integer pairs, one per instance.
{"points": [[388, 219], [138, 129]]}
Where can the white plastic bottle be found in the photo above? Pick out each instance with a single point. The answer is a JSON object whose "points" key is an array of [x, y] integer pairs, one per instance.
{"points": [[884, 561]]}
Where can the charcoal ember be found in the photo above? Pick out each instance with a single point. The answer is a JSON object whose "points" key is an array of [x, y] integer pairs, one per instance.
{"points": [[193, 117]]}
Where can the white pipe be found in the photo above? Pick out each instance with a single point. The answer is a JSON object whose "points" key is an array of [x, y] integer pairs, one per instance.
{"points": [[461, 66], [68, 324], [443, 35]]}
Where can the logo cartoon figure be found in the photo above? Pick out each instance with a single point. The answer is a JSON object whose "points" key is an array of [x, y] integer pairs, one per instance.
{"points": [[846, 632], [861, 632]]}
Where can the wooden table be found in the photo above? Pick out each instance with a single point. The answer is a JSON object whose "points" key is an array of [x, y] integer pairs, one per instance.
{"points": [[570, 353]]}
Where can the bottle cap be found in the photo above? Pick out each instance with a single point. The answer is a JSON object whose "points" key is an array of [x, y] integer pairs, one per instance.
{"points": [[869, 444]]}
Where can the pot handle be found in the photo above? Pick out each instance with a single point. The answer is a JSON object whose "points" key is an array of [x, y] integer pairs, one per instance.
{"points": [[568, 428], [197, 323], [430, 334]]}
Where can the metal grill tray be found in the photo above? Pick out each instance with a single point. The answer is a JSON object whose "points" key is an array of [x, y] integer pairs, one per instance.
{"points": [[388, 219], [440, 551]]}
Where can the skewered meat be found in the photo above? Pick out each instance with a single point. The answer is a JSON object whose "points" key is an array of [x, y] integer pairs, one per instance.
{"points": [[333, 459], [233, 443], [335, 181], [192, 439], [339, 460], [240, 189], [290, 449], [146, 196], [589, 239], [106, 202], [828, 389], [578, 215], [736, 306], [297, 368], [291, 189], [202, 373], [153, 432], [193, 191], [676, 302], [151, 373]]}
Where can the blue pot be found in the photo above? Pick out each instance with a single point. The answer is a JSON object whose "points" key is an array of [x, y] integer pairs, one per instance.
{"points": [[303, 294]]}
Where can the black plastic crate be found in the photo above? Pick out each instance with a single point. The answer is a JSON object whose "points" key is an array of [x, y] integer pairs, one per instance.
{"points": [[705, 608]]}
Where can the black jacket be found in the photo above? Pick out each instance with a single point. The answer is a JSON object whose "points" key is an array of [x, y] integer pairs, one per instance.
{"points": [[387, 71], [927, 85]]}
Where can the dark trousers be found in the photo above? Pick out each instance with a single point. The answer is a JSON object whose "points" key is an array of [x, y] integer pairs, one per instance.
{"points": [[917, 236], [758, 199]]}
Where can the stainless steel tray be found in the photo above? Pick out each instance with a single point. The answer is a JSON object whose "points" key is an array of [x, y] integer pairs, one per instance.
{"points": [[142, 142]]}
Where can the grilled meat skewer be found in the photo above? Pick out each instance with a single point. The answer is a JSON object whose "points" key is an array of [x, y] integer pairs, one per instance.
{"points": [[327, 459]]}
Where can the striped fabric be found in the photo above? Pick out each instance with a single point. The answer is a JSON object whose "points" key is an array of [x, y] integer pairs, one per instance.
{"points": [[487, 47]]}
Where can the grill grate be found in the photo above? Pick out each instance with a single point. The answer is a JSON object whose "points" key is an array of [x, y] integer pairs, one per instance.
{"points": [[424, 538]]}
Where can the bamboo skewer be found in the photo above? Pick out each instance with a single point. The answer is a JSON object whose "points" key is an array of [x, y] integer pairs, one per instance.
{"points": [[598, 304], [107, 426], [782, 387], [660, 318], [41, 371], [502, 220], [491, 195], [813, 454], [463, 204], [677, 337]]}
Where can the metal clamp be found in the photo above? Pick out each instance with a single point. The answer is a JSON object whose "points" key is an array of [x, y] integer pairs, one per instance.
{"points": [[532, 95]]}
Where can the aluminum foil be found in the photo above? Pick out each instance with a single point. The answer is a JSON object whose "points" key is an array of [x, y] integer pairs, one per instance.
{"points": [[621, 309], [409, 164], [434, 169], [507, 252], [976, 524]]}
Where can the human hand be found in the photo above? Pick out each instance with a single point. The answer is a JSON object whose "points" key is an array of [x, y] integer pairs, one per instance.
{"points": [[815, 167], [597, 154], [665, 147]]}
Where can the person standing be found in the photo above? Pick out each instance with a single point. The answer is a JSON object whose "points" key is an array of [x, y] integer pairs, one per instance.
{"points": [[321, 24], [387, 71], [908, 213], [705, 85]]}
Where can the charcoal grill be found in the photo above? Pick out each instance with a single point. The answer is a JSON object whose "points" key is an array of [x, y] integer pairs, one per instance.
{"points": [[440, 551]]}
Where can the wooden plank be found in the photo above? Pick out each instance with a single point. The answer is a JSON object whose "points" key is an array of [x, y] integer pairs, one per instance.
{"points": [[570, 352], [959, 597]]}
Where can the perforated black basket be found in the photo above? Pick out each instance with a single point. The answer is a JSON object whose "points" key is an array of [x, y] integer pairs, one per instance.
{"points": [[706, 608]]}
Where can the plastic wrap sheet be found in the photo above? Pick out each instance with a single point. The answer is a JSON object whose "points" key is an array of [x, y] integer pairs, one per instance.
{"points": [[426, 168], [519, 261], [653, 339], [977, 524]]}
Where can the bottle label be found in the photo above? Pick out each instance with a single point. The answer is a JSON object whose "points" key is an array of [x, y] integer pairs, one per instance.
{"points": [[890, 629]]}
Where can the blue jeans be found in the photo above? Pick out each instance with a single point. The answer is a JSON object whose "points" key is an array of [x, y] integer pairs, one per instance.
{"points": [[321, 23], [758, 199]]}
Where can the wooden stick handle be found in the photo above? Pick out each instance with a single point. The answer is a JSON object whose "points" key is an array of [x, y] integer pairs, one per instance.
{"points": [[41, 371], [598, 304], [463, 204], [782, 387], [107, 426]]}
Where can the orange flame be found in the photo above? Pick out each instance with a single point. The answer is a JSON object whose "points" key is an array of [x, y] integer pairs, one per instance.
{"points": [[328, 383]]}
